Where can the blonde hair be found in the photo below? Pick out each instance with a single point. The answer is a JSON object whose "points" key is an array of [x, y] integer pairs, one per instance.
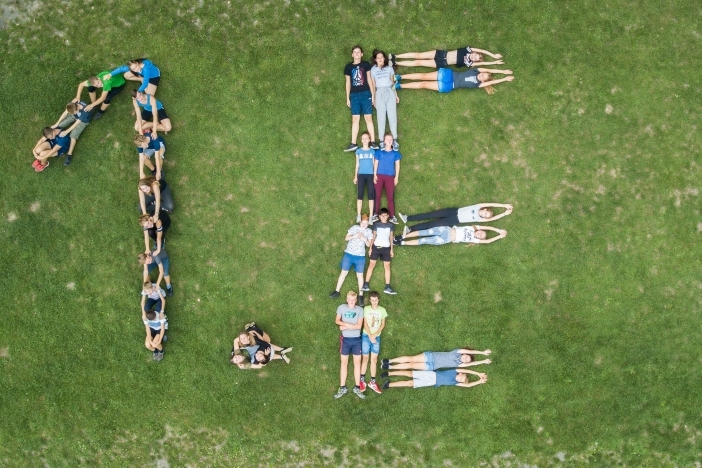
{"points": [[149, 182], [143, 219], [364, 217], [488, 89], [351, 294], [94, 81], [148, 285], [140, 140], [71, 107], [142, 258]]}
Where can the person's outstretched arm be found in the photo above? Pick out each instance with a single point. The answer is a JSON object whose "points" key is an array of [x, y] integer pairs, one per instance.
{"points": [[496, 82], [501, 233], [475, 363], [163, 300], [146, 273], [508, 210], [154, 112], [97, 102], [160, 275], [158, 162], [495, 72], [63, 116], [474, 351], [138, 116], [485, 52], [157, 209], [142, 203], [482, 380], [159, 236], [81, 85]]}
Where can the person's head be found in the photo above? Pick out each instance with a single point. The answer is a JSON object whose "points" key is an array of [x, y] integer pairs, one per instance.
{"points": [[141, 97], [374, 297], [261, 357], [462, 378], [142, 141], [147, 183], [357, 53], [72, 108], [466, 358], [484, 77], [148, 287], [95, 82], [145, 258], [482, 235], [364, 221], [245, 338], [380, 58], [365, 140], [387, 141], [136, 65], [240, 358], [351, 298], [50, 132], [383, 214], [146, 222], [151, 315], [475, 57], [485, 213]]}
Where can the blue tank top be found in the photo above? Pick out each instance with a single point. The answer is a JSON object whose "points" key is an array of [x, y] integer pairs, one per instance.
{"points": [[446, 378], [147, 106]]}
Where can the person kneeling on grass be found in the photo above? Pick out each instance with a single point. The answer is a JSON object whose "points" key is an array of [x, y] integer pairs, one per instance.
{"points": [[150, 260], [451, 377], [78, 117], [443, 235], [110, 88], [431, 360], [153, 115], [54, 143], [150, 145], [156, 325], [446, 80], [359, 237], [480, 213]]}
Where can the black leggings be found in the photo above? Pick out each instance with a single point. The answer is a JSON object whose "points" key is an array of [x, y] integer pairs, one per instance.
{"points": [[110, 94], [363, 181], [448, 217]]}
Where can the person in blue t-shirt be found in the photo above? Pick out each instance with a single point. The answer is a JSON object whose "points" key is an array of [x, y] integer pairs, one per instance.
{"points": [[448, 378], [363, 174], [142, 70], [152, 115], [386, 172], [149, 145], [446, 80], [54, 142]]}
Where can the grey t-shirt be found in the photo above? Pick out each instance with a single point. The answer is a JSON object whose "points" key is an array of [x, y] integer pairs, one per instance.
{"points": [[382, 76], [466, 79], [446, 360], [352, 317], [162, 255]]}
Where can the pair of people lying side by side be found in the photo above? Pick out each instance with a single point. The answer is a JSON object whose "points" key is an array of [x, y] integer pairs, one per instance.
{"points": [[253, 349]]}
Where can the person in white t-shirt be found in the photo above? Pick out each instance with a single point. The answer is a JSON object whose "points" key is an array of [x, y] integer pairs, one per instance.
{"points": [[443, 235], [479, 213], [359, 237]]}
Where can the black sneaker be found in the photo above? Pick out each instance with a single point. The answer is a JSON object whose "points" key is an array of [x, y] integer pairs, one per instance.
{"points": [[361, 301], [374, 145], [384, 365], [97, 116], [169, 291], [397, 240], [392, 60], [351, 147], [389, 290], [393, 220], [366, 287], [67, 162], [384, 375], [334, 294], [386, 385]]}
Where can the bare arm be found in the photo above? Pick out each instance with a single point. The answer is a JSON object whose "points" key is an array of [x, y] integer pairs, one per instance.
{"points": [[63, 116], [160, 275], [495, 82], [146, 273], [158, 161], [501, 234], [154, 112], [142, 158], [97, 102], [474, 351], [496, 62], [475, 363], [375, 170], [348, 90], [483, 379], [142, 202], [494, 71], [146, 241], [371, 85], [508, 210], [138, 116], [163, 300], [481, 51], [355, 172], [80, 89], [157, 195]]}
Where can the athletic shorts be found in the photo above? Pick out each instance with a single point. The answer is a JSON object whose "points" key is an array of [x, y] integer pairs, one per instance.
{"points": [[367, 347], [110, 94], [361, 103], [154, 332], [422, 378], [440, 58], [382, 253], [148, 116], [70, 120], [349, 345], [445, 80], [155, 80], [358, 262]]}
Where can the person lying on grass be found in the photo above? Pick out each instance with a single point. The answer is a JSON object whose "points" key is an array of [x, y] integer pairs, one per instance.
{"points": [[150, 145], [155, 230], [443, 235], [54, 142], [154, 196], [152, 297], [152, 115], [386, 98], [110, 88], [480, 213], [360, 96], [150, 261], [463, 57], [256, 344], [155, 324], [363, 175], [78, 117], [451, 377], [142, 70], [431, 360], [446, 80], [359, 237]]}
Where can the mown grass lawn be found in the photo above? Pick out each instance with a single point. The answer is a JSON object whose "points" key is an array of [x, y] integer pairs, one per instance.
{"points": [[591, 306]]}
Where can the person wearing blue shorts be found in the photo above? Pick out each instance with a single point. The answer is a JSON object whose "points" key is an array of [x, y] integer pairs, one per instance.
{"points": [[448, 378], [374, 317], [54, 142], [359, 238], [446, 80], [349, 318], [431, 360], [150, 261], [150, 145], [360, 96], [444, 235]]}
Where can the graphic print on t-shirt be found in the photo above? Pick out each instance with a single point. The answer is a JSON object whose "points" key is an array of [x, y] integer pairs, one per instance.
{"points": [[358, 77]]}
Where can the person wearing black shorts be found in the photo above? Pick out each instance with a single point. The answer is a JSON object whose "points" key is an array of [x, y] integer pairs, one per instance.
{"points": [[382, 248], [463, 57], [349, 318], [152, 114]]}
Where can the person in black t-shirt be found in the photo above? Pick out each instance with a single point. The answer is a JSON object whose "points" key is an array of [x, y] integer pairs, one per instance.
{"points": [[360, 96], [463, 57]]}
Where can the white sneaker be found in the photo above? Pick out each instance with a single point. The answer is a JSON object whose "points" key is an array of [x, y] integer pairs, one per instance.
{"points": [[358, 218], [402, 217], [405, 231]]}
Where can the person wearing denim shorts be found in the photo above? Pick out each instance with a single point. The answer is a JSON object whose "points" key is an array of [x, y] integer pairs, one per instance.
{"points": [[373, 323], [446, 80], [420, 378], [360, 96], [359, 237], [443, 235], [349, 318], [432, 360], [150, 261]]}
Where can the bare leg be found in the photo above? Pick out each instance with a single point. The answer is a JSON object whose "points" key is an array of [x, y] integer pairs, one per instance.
{"points": [[371, 205], [359, 277], [434, 85], [355, 120], [369, 273], [404, 359], [410, 242], [359, 205], [418, 55], [342, 277], [418, 63], [93, 96], [364, 364], [168, 280], [357, 369], [411, 234], [151, 89], [403, 383], [408, 366], [344, 371], [420, 76], [386, 265], [373, 364], [72, 146], [132, 77], [369, 126]]}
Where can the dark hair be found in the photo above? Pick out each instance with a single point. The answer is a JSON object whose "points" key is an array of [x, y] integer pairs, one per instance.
{"points": [[139, 60], [383, 211], [134, 93], [374, 294], [385, 56], [265, 359], [356, 47], [48, 132], [151, 315], [365, 133]]}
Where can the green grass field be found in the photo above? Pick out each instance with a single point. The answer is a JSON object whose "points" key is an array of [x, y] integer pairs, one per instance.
{"points": [[591, 305]]}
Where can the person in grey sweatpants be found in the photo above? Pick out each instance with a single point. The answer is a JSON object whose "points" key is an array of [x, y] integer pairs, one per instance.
{"points": [[386, 98]]}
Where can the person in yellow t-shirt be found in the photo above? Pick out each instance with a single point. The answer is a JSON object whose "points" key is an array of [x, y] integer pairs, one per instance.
{"points": [[373, 323]]}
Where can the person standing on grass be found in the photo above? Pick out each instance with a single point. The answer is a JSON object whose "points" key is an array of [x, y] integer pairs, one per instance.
{"points": [[142, 70], [480, 213], [150, 145], [78, 118], [155, 230], [154, 197], [451, 377], [54, 142], [386, 174], [155, 324], [359, 237], [373, 323], [349, 318], [436, 360], [152, 116], [150, 261], [443, 235], [110, 88], [463, 57], [386, 98], [446, 80], [363, 175], [382, 249], [360, 96]]}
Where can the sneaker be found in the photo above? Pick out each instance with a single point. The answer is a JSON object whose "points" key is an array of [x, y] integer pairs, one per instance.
{"points": [[374, 219], [358, 393], [405, 231], [374, 386], [366, 287], [395, 146], [362, 386], [165, 338], [97, 116], [397, 78], [392, 59], [402, 217], [286, 350], [384, 375], [397, 240], [384, 365], [397, 85], [374, 145], [67, 161], [155, 356], [361, 301], [389, 290], [341, 392], [351, 147], [35, 163], [249, 325], [386, 385], [394, 220], [159, 356], [169, 291], [358, 218], [40, 168], [334, 294], [285, 358]]}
